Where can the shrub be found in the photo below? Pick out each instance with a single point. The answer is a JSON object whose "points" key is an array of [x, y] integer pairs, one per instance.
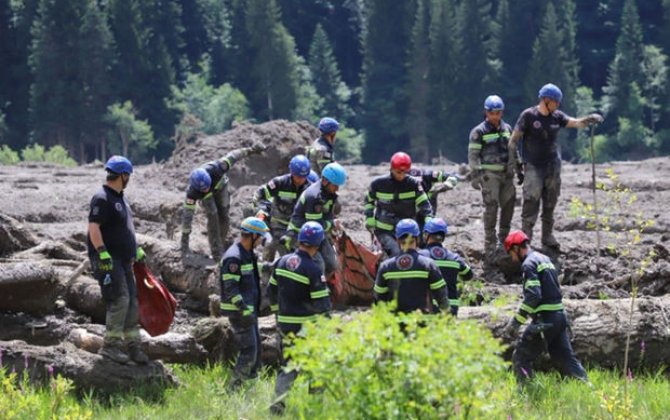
{"points": [[349, 145], [381, 365], [8, 156], [33, 153], [57, 154]]}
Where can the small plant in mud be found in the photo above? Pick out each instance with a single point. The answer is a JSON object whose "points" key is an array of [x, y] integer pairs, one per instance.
{"points": [[472, 292], [623, 225]]}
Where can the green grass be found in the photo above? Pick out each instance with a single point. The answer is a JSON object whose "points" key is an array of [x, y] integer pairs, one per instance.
{"points": [[203, 395]]}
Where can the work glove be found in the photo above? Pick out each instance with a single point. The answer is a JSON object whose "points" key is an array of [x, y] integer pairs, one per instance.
{"points": [[104, 265], [286, 241], [594, 119], [140, 255], [511, 329], [184, 243], [258, 148], [451, 182], [520, 176]]}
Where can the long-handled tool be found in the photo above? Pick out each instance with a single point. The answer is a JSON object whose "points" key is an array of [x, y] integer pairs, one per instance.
{"points": [[593, 189]]}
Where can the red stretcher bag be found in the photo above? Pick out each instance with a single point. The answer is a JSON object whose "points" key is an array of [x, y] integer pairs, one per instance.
{"points": [[156, 304]]}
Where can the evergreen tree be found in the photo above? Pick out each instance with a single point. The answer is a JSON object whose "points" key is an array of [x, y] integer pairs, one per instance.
{"points": [[143, 73], [568, 28], [444, 78], [54, 60], [418, 87], [275, 66], [546, 65], [95, 61], [327, 79], [196, 38], [626, 68], [479, 69], [386, 43], [162, 21], [7, 36]]}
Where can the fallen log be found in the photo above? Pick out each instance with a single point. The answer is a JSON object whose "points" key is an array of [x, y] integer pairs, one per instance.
{"points": [[599, 329], [83, 295], [28, 287], [14, 236], [86, 370]]}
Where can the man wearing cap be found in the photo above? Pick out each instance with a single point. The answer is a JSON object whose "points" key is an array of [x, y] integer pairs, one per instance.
{"points": [[112, 249], [240, 297], [538, 163]]}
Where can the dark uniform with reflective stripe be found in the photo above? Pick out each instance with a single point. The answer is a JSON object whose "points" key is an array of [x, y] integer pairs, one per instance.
{"points": [[276, 200], [240, 301], [488, 157], [543, 302], [111, 211], [542, 167], [320, 154], [298, 292], [316, 204], [428, 178], [413, 281], [389, 201], [216, 202], [453, 268]]}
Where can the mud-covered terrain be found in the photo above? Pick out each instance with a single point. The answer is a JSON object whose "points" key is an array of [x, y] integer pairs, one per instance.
{"points": [[43, 218]]}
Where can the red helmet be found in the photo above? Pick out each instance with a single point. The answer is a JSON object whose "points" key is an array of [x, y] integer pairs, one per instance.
{"points": [[401, 161], [515, 237]]}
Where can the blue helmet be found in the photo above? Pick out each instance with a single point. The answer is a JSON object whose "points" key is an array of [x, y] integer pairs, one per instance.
{"points": [[407, 227], [436, 225], [335, 174], [255, 225], [494, 103], [312, 177], [119, 165], [200, 180], [550, 91], [328, 125], [311, 233], [299, 166]]}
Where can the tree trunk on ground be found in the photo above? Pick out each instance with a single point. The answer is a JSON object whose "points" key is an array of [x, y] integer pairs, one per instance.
{"points": [[86, 370], [29, 287], [14, 236]]}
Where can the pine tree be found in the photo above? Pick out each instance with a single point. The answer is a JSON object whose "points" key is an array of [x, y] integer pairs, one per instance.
{"points": [[162, 20], [478, 67], [418, 87], [386, 43], [275, 66], [626, 68], [444, 78], [7, 36], [327, 79], [568, 25], [144, 70], [196, 39]]}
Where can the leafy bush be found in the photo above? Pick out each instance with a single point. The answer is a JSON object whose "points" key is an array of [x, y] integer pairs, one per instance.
{"points": [[349, 145], [8, 156], [22, 401], [381, 365], [56, 154]]}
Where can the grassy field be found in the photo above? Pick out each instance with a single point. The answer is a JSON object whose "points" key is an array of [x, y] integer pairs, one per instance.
{"points": [[203, 395]]}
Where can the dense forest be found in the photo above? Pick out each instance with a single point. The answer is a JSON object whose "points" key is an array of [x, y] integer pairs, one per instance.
{"points": [[128, 76]]}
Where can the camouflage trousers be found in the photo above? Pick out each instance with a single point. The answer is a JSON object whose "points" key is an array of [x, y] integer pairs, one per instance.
{"points": [[498, 195], [541, 184]]}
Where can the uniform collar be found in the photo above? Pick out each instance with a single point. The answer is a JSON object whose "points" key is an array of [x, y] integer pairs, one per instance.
{"points": [[112, 190]]}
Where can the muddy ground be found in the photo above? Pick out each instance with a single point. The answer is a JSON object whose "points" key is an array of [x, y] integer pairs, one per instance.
{"points": [[51, 203]]}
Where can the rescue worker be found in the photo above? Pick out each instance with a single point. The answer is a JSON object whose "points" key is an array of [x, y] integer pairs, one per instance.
{"points": [[441, 180], [394, 197], [321, 152], [112, 249], [409, 278], [539, 164], [488, 157], [209, 183], [298, 293], [453, 267], [240, 296], [316, 204], [543, 303], [275, 201]]}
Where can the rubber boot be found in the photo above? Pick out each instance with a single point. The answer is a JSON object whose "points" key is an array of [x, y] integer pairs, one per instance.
{"points": [[548, 238], [112, 349], [136, 354]]}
